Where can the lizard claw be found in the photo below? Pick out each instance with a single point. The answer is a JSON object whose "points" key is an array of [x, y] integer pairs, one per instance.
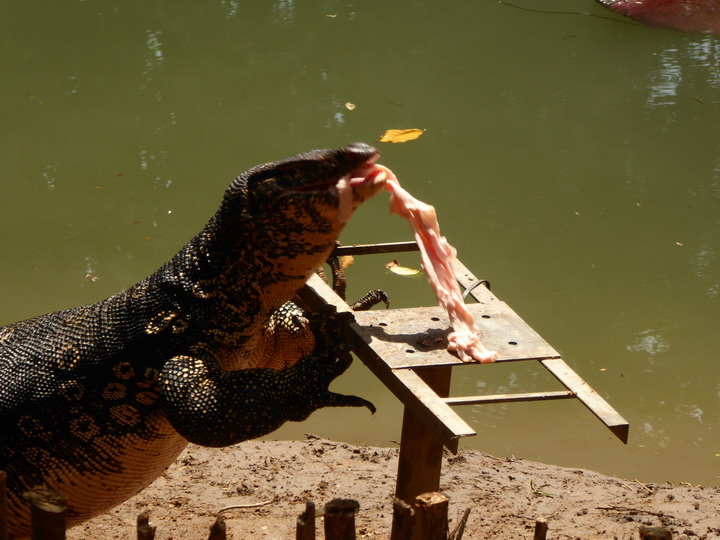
{"points": [[342, 400]]}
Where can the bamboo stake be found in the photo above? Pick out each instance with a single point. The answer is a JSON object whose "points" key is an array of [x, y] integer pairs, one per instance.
{"points": [[340, 519], [218, 531], [48, 512], [402, 523], [305, 528], [145, 531], [431, 516], [3, 506], [655, 533], [541, 529]]}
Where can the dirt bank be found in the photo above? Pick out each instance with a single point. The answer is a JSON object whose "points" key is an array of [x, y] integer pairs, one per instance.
{"points": [[505, 495]]}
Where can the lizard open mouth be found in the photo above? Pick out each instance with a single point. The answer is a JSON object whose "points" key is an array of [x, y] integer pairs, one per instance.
{"points": [[352, 188], [358, 186], [369, 173]]}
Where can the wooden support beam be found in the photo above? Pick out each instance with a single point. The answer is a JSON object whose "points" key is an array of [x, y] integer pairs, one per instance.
{"points": [[421, 445]]}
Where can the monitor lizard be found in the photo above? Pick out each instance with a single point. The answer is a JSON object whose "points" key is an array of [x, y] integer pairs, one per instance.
{"points": [[97, 401]]}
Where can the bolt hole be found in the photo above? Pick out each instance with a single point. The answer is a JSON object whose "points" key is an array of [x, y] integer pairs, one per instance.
{"points": [[512, 342], [383, 324], [409, 351], [486, 317], [434, 318]]}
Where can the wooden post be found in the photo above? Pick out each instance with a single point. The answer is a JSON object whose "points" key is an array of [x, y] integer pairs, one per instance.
{"points": [[305, 529], [3, 506], [402, 522], [48, 512], [541, 529], [421, 447], [145, 531], [218, 531], [431, 517], [340, 519]]}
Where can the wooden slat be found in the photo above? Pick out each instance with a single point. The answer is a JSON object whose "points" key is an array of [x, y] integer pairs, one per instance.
{"points": [[588, 397], [370, 249], [508, 398]]}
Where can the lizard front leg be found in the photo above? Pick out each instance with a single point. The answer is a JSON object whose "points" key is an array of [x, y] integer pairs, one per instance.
{"points": [[212, 407]]}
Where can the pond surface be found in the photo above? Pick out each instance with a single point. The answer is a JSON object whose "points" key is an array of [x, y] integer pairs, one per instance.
{"points": [[574, 162]]}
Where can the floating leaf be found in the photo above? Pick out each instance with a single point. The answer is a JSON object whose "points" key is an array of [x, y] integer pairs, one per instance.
{"points": [[401, 135], [350, 106], [395, 268]]}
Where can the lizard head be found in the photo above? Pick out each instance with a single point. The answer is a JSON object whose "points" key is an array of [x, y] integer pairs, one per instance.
{"points": [[298, 206], [283, 218], [323, 185]]}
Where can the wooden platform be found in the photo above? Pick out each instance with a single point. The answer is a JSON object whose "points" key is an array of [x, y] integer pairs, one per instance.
{"points": [[406, 350]]}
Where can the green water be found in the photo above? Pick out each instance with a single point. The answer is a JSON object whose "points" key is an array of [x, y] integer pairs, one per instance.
{"points": [[574, 162]]}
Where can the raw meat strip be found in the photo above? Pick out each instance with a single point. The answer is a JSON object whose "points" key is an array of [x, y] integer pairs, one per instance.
{"points": [[437, 259]]}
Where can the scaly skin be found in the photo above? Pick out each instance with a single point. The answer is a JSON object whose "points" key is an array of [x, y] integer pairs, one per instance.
{"points": [[97, 401]]}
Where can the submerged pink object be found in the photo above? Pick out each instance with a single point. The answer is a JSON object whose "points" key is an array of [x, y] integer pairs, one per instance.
{"points": [[686, 15]]}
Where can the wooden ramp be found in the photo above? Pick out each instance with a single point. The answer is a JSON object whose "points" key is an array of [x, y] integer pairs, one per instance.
{"points": [[406, 350]]}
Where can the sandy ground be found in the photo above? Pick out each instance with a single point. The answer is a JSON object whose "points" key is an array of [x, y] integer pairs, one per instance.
{"points": [[505, 496]]}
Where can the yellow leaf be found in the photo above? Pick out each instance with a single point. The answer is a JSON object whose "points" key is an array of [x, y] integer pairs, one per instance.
{"points": [[404, 271], [401, 135], [350, 106], [346, 261], [395, 268]]}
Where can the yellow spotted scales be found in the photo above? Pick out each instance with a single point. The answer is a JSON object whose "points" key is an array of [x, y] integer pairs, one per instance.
{"points": [[97, 401]]}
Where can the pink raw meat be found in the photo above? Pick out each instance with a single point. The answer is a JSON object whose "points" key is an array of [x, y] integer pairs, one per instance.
{"points": [[437, 259]]}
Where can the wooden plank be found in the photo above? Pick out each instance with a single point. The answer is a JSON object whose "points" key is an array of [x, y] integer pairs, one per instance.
{"points": [[588, 397], [509, 398]]}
